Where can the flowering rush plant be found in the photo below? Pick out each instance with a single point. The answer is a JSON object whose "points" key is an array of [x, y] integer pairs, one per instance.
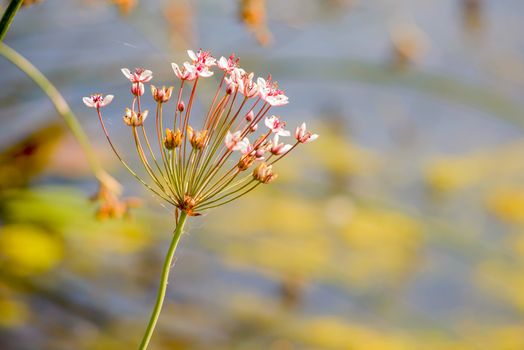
{"points": [[203, 163]]}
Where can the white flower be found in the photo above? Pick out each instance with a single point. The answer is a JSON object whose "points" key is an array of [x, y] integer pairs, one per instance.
{"points": [[278, 148], [270, 93], [186, 73], [202, 62], [140, 75], [97, 101], [276, 126], [228, 64], [304, 136], [234, 142]]}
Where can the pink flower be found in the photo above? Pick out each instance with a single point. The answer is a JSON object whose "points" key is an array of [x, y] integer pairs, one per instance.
{"points": [[140, 75], [186, 73], [248, 149], [278, 148], [247, 86], [97, 101], [304, 136], [244, 146], [228, 64], [232, 85], [270, 93], [242, 81], [234, 142], [138, 78], [202, 61], [276, 126]]}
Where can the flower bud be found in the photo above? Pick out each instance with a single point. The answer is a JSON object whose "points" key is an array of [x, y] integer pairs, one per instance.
{"points": [[259, 153], [137, 89], [197, 139], [161, 95], [264, 173], [250, 116], [172, 139], [245, 161], [132, 118], [253, 128], [181, 106]]}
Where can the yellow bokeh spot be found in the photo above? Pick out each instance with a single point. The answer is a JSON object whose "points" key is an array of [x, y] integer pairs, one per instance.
{"points": [[27, 250], [283, 255], [332, 333], [13, 313], [452, 174], [118, 237], [381, 245], [508, 204], [333, 152], [494, 276]]}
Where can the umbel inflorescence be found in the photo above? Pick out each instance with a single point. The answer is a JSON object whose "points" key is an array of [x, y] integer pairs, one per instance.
{"points": [[205, 162]]}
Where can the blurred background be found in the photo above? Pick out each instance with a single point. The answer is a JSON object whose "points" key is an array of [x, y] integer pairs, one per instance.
{"points": [[402, 227]]}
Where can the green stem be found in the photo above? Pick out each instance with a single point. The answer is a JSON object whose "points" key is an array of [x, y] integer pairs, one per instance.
{"points": [[8, 16], [163, 282], [63, 109]]}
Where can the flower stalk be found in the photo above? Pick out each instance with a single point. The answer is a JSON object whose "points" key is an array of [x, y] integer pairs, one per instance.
{"points": [[164, 280], [8, 16]]}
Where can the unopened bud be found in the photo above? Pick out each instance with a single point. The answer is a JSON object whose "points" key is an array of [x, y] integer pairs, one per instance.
{"points": [[162, 94], [132, 118], [230, 89], [245, 161], [172, 139], [250, 116], [197, 139], [264, 173], [137, 89], [253, 128], [259, 153], [181, 106]]}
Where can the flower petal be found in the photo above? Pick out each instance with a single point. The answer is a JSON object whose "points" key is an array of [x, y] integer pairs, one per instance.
{"points": [[270, 122], [107, 100], [285, 149], [205, 73], [88, 101], [147, 75], [312, 138], [127, 73], [192, 55]]}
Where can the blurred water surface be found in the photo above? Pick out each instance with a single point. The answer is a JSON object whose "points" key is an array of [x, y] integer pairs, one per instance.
{"points": [[401, 228]]}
